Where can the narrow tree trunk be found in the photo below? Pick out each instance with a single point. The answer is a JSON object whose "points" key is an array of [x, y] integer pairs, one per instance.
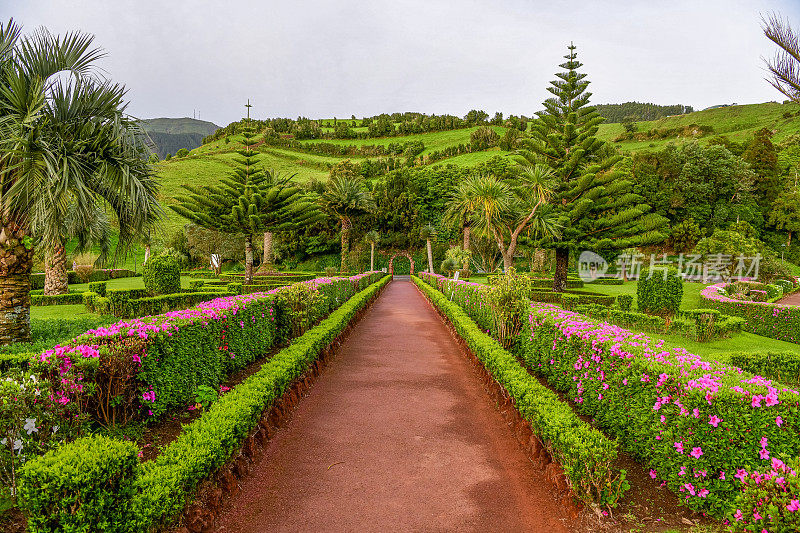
{"points": [[430, 255], [345, 243], [266, 263], [146, 253], [371, 256], [538, 259], [55, 271], [467, 231], [248, 259], [16, 264], [560, 276], [789, 242]]}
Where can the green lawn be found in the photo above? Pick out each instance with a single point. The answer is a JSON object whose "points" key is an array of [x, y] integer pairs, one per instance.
{"points": [[59, 311]]}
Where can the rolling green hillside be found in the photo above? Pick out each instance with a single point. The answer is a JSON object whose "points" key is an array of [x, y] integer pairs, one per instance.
{"points": [[206, 163], [171, 134], [738, 123]]}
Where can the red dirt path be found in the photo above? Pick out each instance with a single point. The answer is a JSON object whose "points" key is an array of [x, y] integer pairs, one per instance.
{"points": [[396, 434]]}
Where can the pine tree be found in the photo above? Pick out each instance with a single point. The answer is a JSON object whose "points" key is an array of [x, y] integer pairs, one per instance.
{"points": [[249, 201], [592, 199]]}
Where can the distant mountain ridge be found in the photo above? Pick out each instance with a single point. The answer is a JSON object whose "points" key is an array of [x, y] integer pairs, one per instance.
{"points": [[171, 134]]}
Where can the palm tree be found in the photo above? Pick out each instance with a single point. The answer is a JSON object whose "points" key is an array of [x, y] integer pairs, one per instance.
{"points": [[784, 68], [428, 232], [50, 159], [506, 209], [461, 209], [372, 237], [346, 197], [88, 229]]}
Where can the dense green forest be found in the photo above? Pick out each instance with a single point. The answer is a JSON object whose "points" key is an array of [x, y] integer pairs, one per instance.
{"points": [[637, 111]]}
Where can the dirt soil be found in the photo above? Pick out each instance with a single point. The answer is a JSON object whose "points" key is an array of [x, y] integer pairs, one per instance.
{"points": [[396, 434]]}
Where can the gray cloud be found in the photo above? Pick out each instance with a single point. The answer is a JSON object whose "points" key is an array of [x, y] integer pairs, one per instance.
{"points": [[324, 58]]}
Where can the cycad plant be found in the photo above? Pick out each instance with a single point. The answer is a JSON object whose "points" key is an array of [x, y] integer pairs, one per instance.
{"points": [[346, 197], [428, 233], [63, 141], [373, 238]]}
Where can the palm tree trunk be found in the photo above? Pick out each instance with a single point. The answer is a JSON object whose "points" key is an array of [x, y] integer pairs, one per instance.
{"points": [[55, 271], [371, 256], [560, 276], [16, 264], [248, 259], [467, 231], [146, 253], [430, 255], [266, 262], [346, 225], [538, 259]]}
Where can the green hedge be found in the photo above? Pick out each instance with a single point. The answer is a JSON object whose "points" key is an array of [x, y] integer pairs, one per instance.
{"points": [[659, 291], [162, 275], [774, 320], [162, 486], [606, 281], [57, 299], [14, 360], [37, 281], [99, 287], [585, 454], [86, 485], [782, 366]]}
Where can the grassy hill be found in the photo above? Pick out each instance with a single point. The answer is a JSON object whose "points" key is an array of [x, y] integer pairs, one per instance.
{"points": [[171, 134], [738, 123], [206, 163]]}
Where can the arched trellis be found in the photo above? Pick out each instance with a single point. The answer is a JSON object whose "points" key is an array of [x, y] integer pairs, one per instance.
{"points": [[406, 254]]}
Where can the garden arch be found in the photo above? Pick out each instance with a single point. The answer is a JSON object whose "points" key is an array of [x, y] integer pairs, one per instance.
{"points": [[391, 262]]}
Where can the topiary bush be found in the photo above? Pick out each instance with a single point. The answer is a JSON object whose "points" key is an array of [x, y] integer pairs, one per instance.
{"points": [[659, 291], [162, 275], [624, 302]]}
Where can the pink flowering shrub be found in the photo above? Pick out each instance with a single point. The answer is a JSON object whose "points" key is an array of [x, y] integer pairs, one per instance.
{"points": [[699, 426], [181, 350], [769, 500], [777, 321]]}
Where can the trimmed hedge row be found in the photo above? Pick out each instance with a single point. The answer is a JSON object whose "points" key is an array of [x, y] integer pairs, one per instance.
{"points": [[188, 348], [57, 299], [698, 425], [783, 366], [37, 279], [606, 281], [585, 454], [159, 489], [777, 321]]}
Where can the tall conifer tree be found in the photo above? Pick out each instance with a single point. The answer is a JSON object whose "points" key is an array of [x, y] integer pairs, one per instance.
{"points": [[592, 200], [248, 202]]}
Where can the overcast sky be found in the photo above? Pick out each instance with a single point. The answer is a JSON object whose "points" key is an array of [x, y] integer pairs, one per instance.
{"points": [[329, 58]]}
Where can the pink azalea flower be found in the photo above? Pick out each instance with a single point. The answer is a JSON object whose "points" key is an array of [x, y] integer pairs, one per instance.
{"points": [[778, 421], [679, 447], [738, 515], [653, 473], [697, 452], [793, 506], [714, 420]]}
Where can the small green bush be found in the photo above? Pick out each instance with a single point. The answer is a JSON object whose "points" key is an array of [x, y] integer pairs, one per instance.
{"points": [[659, 291], [624, 302], [235, 288], [162, 275], [98, 286], [86, 485], [194, 285]]}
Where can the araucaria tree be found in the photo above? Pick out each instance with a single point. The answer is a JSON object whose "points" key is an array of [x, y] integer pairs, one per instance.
{"points": [[64, 141], [784, 68], [248, 202], [591, 200]]}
